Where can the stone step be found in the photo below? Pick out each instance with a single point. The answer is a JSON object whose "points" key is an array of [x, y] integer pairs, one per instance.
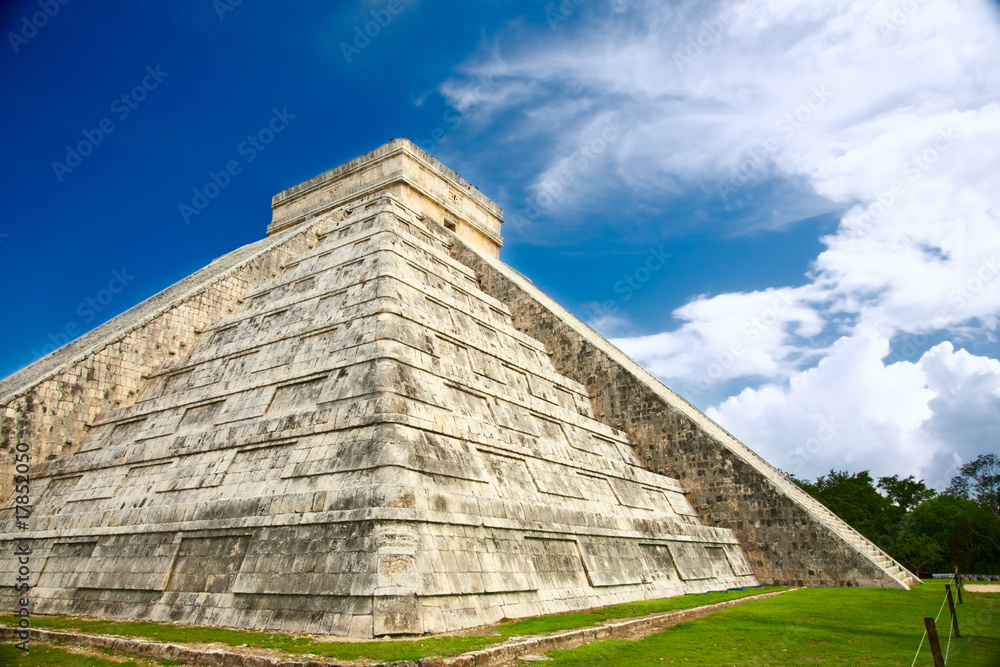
{"points": [[853, 537]]}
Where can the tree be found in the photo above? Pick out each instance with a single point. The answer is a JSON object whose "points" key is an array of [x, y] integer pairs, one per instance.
{"points": [[905, 493], [967, 535], [855, 500], [921, 554], [980, 481], [924, 531]]}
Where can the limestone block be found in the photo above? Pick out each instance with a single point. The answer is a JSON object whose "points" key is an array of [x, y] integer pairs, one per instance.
{"points": [[368, 445]]}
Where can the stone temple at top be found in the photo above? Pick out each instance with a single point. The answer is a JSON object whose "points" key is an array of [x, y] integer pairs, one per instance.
{"points": [[366, 424]]}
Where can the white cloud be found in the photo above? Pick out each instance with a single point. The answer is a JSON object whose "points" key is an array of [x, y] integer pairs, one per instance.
{"points": [[605, 323], [847, 410], [966, 409], [886, 110], [728, 336], [854, 412]]}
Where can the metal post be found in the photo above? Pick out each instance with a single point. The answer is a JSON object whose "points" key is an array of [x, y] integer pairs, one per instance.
{"points": [[951, 606], [932, 639]]}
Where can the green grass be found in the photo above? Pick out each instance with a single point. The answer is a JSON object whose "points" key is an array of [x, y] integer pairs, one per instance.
{"points": [[168, 633], [41, 655], [557, 622], [841, 626], [384, 650]]}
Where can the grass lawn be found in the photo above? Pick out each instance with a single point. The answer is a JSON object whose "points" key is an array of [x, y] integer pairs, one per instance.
{"points": [[378, 651], [839, 626], [41, 655]]}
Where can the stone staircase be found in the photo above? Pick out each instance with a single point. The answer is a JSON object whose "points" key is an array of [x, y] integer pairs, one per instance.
{"points": [[552, 321], [819, 511], [822, 513]]}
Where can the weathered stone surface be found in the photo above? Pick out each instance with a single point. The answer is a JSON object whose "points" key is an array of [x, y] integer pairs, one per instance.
{"points": [[50, 403], [404, 171], [368, 436], [788, 536]]}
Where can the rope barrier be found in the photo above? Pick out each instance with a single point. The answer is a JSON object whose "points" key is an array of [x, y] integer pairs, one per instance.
{"points": [[948, 649], [921, 645], [918, 649]]}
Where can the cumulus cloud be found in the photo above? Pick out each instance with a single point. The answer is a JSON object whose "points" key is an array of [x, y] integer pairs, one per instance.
{"points": [[853, 411], [965, 410], [884, 110], [729, 336]]}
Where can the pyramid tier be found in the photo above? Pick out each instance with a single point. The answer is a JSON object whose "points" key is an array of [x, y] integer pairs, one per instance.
{"points": [[367, 447]]}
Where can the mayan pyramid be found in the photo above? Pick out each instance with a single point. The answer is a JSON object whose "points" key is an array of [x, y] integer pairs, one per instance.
{"points": [[365, 424]]}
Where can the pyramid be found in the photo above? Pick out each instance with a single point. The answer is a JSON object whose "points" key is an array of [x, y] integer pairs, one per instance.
{"points": [[367, 425]]}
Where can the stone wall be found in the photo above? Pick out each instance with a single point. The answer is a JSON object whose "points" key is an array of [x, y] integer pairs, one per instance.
{"points": [[789, 538], [97, 403], [50, 403], [367, 446]]}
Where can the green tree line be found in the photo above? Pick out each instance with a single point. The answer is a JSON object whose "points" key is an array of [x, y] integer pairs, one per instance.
{"points": [[927, 531]]}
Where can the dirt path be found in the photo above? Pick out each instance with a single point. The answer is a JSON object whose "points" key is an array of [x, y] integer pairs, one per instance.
{"points": [[981, 588]]}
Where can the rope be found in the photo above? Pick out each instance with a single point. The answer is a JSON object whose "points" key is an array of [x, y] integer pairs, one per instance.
{"points": [[943, 603], [921, 645], [918, 649], [947, 650]]}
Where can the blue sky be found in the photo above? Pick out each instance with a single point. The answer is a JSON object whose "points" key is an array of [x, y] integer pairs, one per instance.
{"points": [[786, 210]]}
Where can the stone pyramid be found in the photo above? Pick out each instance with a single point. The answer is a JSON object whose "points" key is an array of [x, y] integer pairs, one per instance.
{"points": [[367, 425]]}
